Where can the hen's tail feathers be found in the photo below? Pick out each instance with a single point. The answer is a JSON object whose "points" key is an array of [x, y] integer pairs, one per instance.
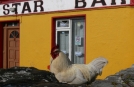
{"points": [[98, 64]]}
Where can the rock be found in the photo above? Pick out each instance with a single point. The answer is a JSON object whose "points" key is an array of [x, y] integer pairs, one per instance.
{"points": [[25, 76], [114, 78], [105, 83], [132, 66], [126, 71]]}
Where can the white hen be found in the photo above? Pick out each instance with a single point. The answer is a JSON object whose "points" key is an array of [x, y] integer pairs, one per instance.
{"points": [[66, 72]]}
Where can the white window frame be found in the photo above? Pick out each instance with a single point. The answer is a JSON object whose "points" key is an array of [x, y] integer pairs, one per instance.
{"points": [[70, 34]]}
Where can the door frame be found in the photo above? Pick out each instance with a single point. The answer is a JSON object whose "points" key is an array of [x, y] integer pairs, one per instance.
{"points": [[1, 38], [5, 51], [1, 45], [53, 29]]}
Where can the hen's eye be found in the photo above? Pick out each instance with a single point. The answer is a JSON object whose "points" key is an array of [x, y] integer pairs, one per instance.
{"points": [[57, 51]]}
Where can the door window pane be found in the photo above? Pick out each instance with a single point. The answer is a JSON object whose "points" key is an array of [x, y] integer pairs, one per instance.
{"points": [[78, 41], [11, 24], [14, 34], [63, 41]]}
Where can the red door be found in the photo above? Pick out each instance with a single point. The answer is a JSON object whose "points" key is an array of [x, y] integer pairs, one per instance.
{"points": [[11, 47]]}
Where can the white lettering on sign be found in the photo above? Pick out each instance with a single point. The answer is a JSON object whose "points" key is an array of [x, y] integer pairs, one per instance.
{"points": [[38, 6]]}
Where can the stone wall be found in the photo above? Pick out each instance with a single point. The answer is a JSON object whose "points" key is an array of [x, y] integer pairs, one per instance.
{"points": [[32, 77]]}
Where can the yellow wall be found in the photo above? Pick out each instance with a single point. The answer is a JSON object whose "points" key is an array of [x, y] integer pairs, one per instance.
{"points": [[109, 33]]}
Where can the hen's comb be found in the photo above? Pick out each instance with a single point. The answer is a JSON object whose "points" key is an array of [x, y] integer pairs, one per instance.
{"points": [[55, 47]]}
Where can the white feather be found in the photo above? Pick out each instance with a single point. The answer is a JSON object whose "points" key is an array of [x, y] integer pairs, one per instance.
{"points": [[66, 72]]}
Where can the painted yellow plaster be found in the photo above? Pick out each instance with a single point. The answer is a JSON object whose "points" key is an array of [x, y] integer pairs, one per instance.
{"points": [[109, 33]]}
